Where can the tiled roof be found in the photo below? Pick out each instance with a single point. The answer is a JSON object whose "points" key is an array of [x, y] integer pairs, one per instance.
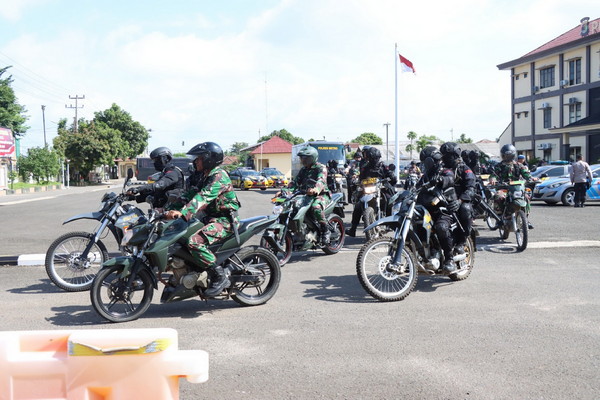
{"points": [[568, 37], [273, 145]]}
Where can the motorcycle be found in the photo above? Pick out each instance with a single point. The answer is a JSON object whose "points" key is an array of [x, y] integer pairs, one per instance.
{"points": [[374, 205], [74, 258], [411, 181], [483, 204], [510, 203], [336, 184], [388, 267], [123, 289], [295, 228]]}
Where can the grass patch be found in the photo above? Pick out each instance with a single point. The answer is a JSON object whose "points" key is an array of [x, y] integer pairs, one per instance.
{"points": [[22, 185]]}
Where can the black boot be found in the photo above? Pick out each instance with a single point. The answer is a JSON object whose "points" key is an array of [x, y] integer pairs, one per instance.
{"points": [[218, 282], [351, 231], [325, 234]]}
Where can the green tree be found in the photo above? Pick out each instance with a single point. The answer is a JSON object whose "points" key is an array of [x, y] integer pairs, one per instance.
{"points": [[41, 162], [11, 113], [134, 137], [285, 135], [410, 147], [367, 138], [464, 139], [426, 140], [236, 148]]}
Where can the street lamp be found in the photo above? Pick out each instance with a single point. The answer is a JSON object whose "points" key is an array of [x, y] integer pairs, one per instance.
{"points": [[44, 122], [387, 143]]}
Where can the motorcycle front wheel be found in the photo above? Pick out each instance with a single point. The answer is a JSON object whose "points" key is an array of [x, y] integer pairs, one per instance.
{"points": [[65, 265], [376, 275], [338, 235], [116, 301], [522, 232], [286, 243], [368, 218], [264, 266]]}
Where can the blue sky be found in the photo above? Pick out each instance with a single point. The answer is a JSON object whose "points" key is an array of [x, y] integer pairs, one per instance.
{"points": [[229, 71]]}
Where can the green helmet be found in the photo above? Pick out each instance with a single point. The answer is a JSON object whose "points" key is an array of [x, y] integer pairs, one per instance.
{"points": [[311, 155]]}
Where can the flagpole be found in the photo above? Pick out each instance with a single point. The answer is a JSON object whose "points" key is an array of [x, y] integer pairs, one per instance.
{"points": [[397, 155]]}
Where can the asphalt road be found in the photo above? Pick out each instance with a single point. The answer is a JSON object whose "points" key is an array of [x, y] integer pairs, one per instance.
{"points": [[523, 326]]}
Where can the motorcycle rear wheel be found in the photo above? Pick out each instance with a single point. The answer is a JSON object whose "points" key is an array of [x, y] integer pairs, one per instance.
{"points": [[263, 264], [467, 264], [288, 246], [522, 232], [371, 268], [64, 266], [336, 226], [117, 302]]}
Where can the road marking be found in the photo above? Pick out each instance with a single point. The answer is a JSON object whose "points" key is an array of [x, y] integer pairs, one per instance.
{"points": [[8, 203], [574, 243]]}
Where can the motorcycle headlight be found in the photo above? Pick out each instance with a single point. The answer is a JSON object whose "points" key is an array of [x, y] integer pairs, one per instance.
{"points": [[370, 189], [277, 209]]}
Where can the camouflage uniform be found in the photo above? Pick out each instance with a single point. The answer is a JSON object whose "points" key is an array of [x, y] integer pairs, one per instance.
{"points": [[512, 171], [317, 172], [214, 196]]}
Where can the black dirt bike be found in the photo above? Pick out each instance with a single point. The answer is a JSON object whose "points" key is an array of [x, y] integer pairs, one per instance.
{"points": [[74, 258], [296, 229], [388, 267], [510, 204], [123, 289]]}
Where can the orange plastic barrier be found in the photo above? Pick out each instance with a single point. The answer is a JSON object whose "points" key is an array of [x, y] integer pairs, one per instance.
{"points": [[104, 364]]}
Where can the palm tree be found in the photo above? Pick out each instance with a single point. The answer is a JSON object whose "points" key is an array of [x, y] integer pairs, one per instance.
{"points": [[411, 136]]}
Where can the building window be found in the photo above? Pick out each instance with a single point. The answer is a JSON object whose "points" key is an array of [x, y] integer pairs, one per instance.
{"points": [[517, 77], [573, 151], [547, 118], [524, 74], [547, 77], [574, 112], [575, 71]]}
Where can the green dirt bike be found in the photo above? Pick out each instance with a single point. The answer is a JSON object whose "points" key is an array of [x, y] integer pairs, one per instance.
{"points": [[510, 204], [123, 289], [295, 229]]}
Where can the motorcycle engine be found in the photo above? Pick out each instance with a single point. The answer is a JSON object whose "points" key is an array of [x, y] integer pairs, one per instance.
{"points": [[183, 276]]}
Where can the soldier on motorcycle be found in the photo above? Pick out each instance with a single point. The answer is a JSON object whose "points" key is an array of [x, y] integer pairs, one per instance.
{"points": [[215, 196], [352, 173], [510, 170], [332, 170], [464, 184], [444, 179], [373, 167], [170, 179], [312, 177]]}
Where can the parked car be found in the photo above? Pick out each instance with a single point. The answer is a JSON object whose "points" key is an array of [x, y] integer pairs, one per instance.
{"points": [[551, 171], [560, 189], [244, 178], [275, 176]]}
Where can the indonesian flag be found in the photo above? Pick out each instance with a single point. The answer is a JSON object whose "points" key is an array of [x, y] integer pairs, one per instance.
{"points": [[406, 65]]}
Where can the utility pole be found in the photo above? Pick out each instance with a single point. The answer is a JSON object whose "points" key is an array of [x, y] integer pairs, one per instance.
{"points": [[75, 107], [387, 142], [44, 122], [452, 134]]}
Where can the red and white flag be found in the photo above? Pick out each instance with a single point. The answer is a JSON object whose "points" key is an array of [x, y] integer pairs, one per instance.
{"points": [[406, 65]]}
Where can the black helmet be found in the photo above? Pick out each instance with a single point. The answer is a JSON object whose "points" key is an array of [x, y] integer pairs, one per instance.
{"points": [[450, 154], [372, 154], [430, 151], [358, 154], [508, 152], [210, 153], [308, 156], [161, 156], [392, 167], [473, 156], [464, 155], [332, 164]]}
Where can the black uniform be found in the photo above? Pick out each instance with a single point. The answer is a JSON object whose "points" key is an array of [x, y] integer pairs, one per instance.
{"points": [[465, 184], [171, 179]]}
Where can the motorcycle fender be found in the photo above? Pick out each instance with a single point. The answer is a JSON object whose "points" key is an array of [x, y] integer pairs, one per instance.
{"points": [[365, 199], [127, 263], [474, 234], [97, 215], [392, 221], [521, 203]]}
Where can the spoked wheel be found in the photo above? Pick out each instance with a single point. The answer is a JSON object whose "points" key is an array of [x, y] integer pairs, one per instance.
{"points": [[338, 235], [66, 266], [264, 267], [114, 300], [465, 266], [287, 245], [522, 232], [378, 277], [504, 228]]}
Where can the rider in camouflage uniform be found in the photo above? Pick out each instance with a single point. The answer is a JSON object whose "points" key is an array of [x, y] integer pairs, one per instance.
{"points": [[215, 196], [316, 173], [510, 170]]}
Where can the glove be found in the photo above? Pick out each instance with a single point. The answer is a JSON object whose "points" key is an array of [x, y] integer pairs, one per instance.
{"points": [[453, 206]]}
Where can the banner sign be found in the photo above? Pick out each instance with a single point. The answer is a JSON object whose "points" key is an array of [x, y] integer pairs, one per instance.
{"points": [[7, 143]]}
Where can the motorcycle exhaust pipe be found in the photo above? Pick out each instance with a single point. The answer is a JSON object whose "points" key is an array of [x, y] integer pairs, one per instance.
{"points": [[272, 242]]}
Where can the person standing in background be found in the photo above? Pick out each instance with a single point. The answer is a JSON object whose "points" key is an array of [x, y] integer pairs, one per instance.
{"points": [[580, 173]]}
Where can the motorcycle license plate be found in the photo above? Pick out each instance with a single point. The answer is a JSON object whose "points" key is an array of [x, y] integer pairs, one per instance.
{"points": [[369, 181]]}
